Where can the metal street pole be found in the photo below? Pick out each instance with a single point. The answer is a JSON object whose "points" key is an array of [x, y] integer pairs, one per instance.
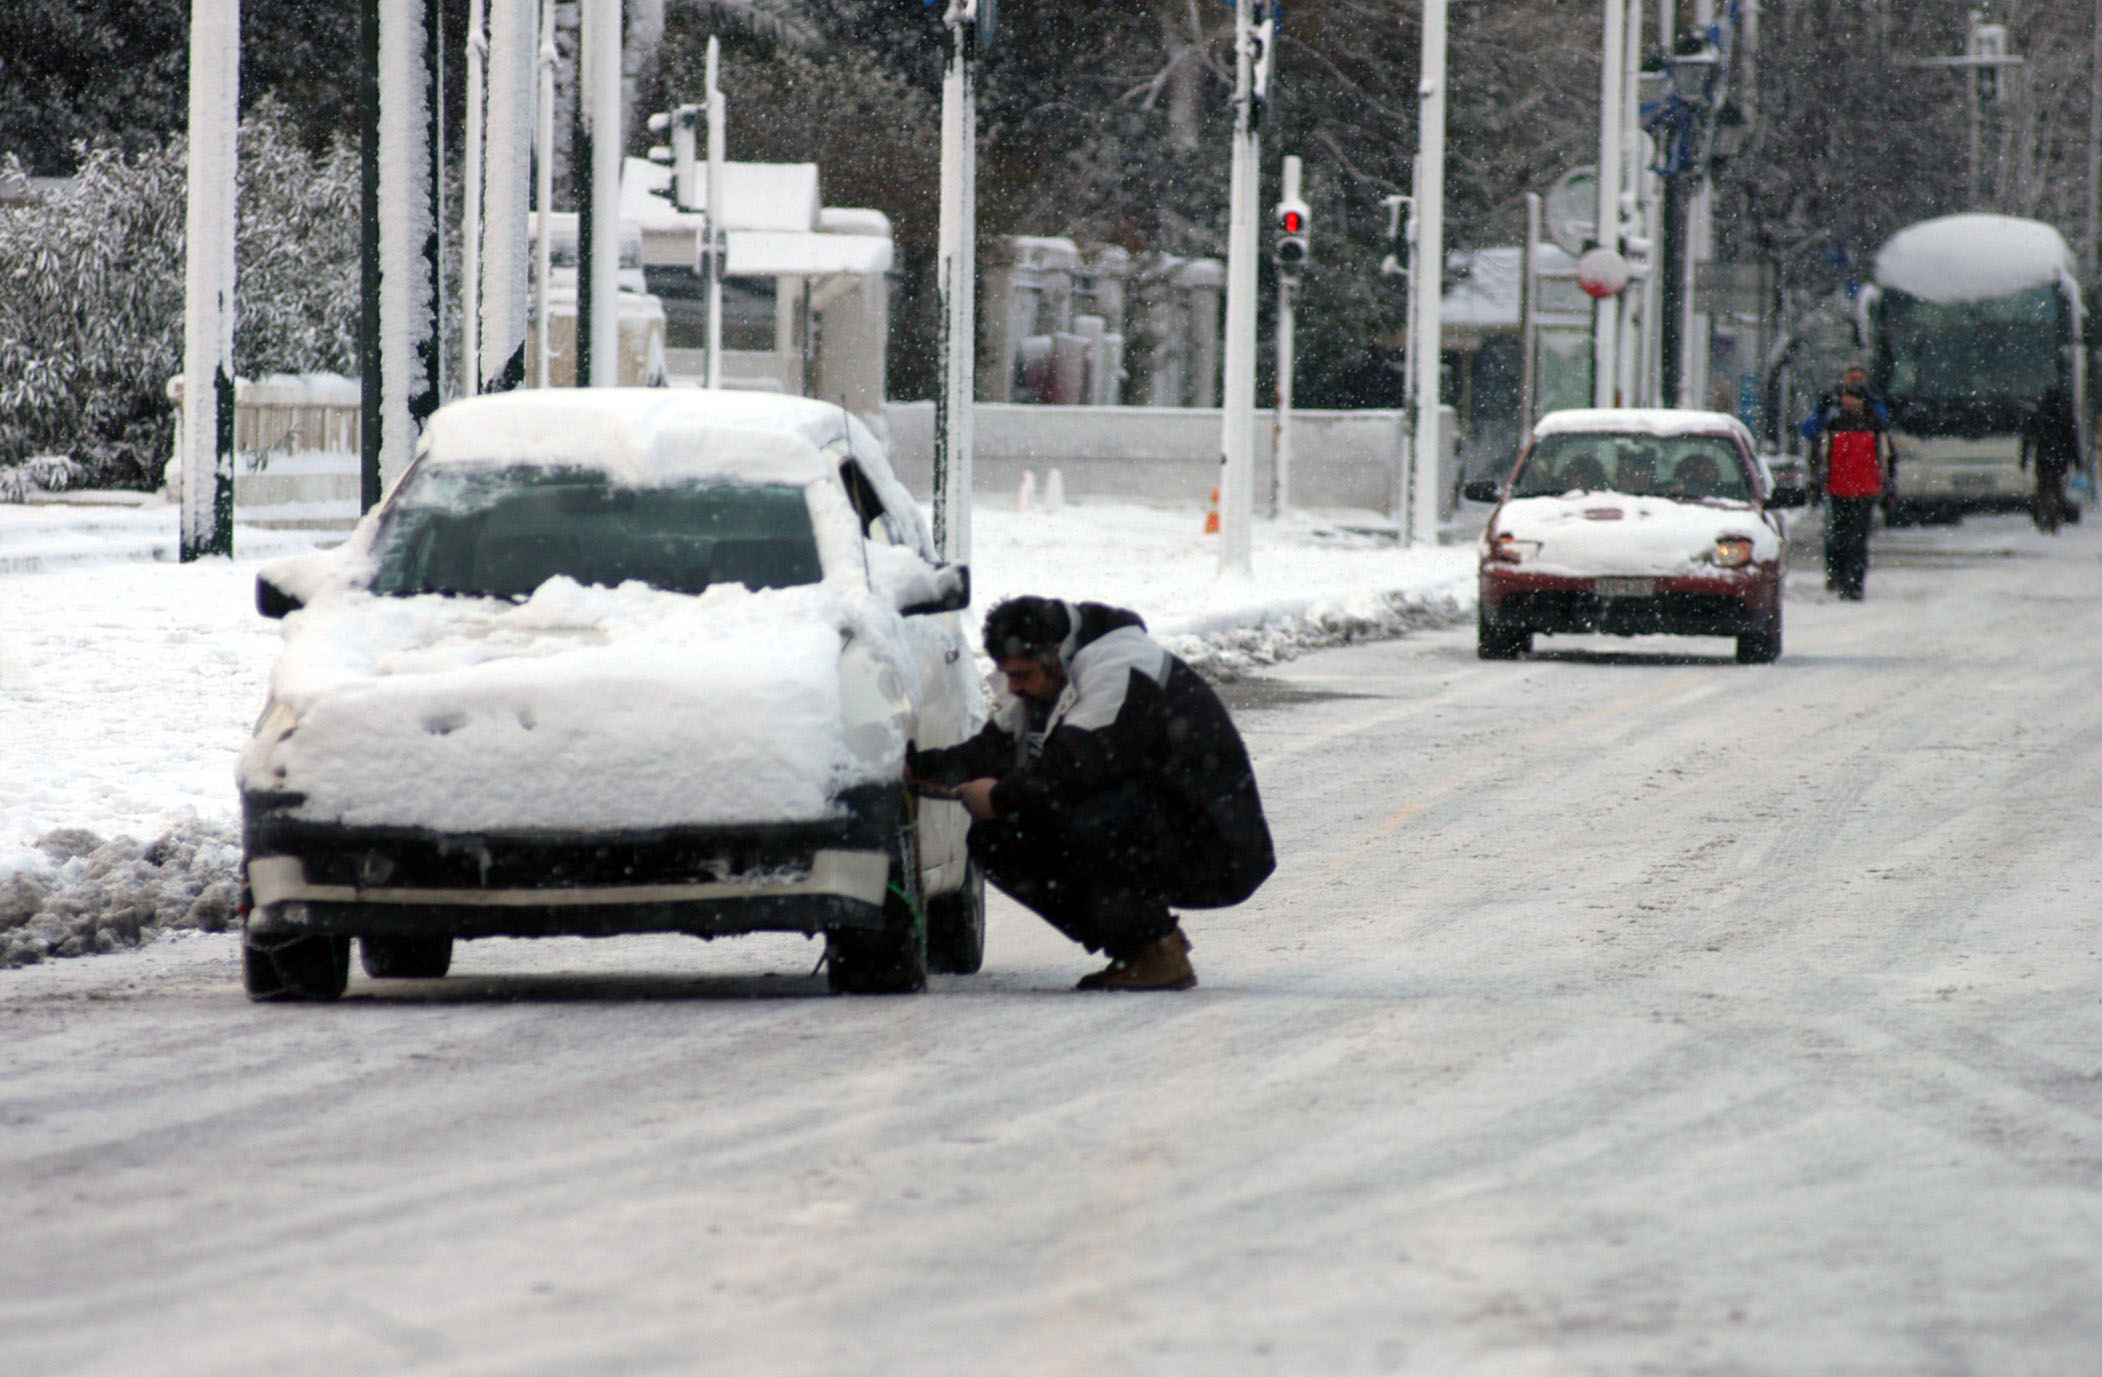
{"points": [[403, 307], [1281, 414], [957, 394], [505, 194], [1605, 314], [1637, 319], [1237, 412], [471, 205], [716, 227], [1427, 450], [2094, 155], [598, 217], [1529, 317], [208, 281], [544, 191]]}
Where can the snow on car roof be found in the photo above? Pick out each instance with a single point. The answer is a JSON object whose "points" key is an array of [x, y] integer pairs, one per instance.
{"points": [[1972, 258], [1642, 420], [648, 435]]}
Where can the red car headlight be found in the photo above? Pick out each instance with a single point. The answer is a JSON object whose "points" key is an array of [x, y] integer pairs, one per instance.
{"points": [[1731, 552]]}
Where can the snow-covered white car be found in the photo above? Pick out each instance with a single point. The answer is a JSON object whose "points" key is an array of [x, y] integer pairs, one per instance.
{"points": [[1634, 522], [614, 661]]}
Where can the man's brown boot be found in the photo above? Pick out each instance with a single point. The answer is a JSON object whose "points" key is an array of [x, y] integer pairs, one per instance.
{"points": [[1160, 965]]}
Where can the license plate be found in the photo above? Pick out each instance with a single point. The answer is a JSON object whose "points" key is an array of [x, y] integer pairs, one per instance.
{"points": [[1625, 588]]}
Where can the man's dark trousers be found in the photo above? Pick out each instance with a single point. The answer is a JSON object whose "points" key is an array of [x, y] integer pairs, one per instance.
{"points": [[1100, 872], [1846, 543]]}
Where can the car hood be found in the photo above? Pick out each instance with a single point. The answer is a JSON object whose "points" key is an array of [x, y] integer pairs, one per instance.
{"points": [[581, 707], [1613, 533]]}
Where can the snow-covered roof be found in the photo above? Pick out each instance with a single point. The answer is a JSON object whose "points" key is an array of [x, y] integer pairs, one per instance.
{"points": [[1486, 296], [654, 435], [783, 253], [1646, 420], [1973, 258]]}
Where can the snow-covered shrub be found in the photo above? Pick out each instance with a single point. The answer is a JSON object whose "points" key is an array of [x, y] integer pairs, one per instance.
{"points": [[39, 473], [91, 295]]}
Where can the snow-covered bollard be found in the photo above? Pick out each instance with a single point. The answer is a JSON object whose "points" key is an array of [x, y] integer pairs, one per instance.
{"points": [[1054, 491], [1025, 495]]}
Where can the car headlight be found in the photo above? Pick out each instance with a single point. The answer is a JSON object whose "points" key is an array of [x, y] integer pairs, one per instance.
{"points": [[1731, 552], [1505, 548]]}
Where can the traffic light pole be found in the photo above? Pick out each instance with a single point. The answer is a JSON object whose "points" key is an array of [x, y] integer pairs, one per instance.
{"points": [[1290, 233]]}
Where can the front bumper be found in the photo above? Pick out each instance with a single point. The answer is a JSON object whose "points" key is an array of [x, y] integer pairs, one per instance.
{"points": [[1676, 606], [306, 876]]}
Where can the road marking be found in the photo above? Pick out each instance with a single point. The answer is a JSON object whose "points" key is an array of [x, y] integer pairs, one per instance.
{"points": [[1387, 825]]}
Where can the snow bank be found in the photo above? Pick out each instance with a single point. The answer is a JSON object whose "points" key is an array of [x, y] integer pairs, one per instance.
{"points": [[1973, 258], [91, 895]]}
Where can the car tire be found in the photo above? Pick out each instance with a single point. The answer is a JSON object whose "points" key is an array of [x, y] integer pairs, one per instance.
{"points": [[405, 958], [956, 927], [1761, 647], [292, 970], [1493, 642], [891, 959]]}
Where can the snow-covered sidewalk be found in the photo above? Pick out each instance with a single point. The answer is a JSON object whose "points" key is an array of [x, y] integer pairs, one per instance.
{"points": [[128, 681]]}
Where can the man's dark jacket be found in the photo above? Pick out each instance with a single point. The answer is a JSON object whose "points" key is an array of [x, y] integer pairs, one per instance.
{"points": [[1131, 715]]}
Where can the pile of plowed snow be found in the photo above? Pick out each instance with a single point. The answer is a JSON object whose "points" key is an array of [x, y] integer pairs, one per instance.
{"points": [[100, 895]]}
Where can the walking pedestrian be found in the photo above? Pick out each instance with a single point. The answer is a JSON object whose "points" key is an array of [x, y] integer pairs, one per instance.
{"points": [[1852, 464], [2051, 436], [1109, 785], [1829, 405]]}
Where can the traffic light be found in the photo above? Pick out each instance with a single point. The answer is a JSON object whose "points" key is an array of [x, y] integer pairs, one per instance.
{"points": [[1401, 235], [683, 124], [1292, 225]]}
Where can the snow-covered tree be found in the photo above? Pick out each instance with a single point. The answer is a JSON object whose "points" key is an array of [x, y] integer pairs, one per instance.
{"points": [[92, 312]]}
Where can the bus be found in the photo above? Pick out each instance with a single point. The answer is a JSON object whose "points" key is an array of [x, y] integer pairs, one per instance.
{"points": [[1969, 320]]}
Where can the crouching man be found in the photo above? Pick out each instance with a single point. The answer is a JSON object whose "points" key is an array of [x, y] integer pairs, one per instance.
{"points": [[1109, 785]]}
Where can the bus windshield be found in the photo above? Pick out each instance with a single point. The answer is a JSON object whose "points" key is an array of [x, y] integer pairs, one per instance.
{"points": [[2007, 349]]}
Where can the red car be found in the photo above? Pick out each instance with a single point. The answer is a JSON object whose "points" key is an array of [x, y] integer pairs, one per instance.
{"points": [[1634, 522]]}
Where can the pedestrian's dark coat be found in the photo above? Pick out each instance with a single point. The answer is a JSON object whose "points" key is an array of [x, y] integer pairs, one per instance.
{"points": [[1131, 715]]}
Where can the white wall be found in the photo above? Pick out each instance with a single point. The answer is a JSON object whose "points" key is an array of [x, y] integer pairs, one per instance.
{"points": [[1340, 458]]}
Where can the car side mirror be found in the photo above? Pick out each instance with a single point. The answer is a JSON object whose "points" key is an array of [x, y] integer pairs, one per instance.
{"points": [[1481, 490], [952, 592], [273, 600], [1788, 497]]}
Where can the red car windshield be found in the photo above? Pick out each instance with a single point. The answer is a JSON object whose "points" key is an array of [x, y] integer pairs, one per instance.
{"points": [[1692, 467]]}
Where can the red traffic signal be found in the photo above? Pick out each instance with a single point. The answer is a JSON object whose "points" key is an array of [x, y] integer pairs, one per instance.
{"points": [[1291, 246]]}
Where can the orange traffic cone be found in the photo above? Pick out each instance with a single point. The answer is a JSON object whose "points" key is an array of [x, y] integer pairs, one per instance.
{"points": [[1211, 517]]}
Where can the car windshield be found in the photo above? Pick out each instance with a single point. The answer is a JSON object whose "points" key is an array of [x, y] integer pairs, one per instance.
{"points": [[502, 532], [1676, 466]]}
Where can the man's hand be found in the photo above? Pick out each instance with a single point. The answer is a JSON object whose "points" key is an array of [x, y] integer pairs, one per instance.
{"points": [[976, 795]]}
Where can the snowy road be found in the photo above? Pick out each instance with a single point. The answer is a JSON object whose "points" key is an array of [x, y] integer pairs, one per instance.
{"points": [[1619, 1010]]}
